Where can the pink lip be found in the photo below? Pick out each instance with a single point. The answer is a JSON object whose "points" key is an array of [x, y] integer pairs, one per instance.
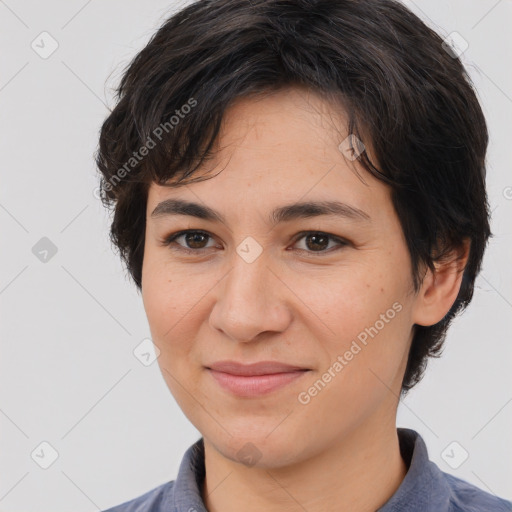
{"points": [[254, 379]]}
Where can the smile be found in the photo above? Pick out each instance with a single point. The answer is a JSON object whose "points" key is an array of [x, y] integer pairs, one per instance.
{"points": [[255, 385]]}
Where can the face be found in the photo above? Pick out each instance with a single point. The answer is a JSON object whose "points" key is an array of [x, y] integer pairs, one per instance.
{"points": [[329, 293]]}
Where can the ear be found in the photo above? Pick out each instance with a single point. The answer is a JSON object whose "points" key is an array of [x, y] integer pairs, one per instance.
{"points": [[440, 288]]}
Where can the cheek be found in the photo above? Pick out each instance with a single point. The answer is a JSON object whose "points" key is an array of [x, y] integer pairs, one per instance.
{"points": [[365, 321], [363, 363], [172, 308], [167, 292], [174, 302], [158, 302], [350, 300], [161, 295]]}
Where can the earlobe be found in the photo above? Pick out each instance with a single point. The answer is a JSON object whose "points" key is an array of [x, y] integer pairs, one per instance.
{"points": [[440, 287]]}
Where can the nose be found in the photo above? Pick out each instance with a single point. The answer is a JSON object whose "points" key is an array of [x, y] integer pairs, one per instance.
{"points": [[249, 301]]}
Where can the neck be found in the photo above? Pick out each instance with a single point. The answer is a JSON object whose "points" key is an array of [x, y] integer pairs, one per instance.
{"points": [[357, 474]]}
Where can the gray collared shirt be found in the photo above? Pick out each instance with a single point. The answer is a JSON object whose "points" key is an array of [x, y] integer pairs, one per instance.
{"points": [[425, 487]]}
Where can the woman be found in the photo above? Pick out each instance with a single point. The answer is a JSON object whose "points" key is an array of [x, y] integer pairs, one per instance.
{"points": [[299, 193]]}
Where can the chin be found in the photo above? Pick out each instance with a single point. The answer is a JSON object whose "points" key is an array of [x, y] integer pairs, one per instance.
{"points": [[255, 447]]}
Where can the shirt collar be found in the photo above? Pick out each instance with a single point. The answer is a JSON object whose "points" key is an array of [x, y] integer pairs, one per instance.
{"points": [[187, 486], [423, 487]]}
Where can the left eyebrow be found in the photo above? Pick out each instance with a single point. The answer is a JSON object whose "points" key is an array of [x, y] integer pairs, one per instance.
{"points": [[285, 213]]}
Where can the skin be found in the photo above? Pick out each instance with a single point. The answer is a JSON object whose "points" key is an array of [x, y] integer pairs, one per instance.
{"points": [[299, 302]]}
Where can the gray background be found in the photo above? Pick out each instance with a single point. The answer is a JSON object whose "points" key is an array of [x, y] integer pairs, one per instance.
{"points": [[69, 324]]}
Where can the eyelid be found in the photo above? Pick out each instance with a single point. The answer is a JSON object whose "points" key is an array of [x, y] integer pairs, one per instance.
{"points": [[173, 236], [168, 240], [339, 240]]}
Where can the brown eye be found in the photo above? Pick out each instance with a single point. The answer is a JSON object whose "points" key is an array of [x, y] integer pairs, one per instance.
{"points": [[194, 241], [318, 242]]}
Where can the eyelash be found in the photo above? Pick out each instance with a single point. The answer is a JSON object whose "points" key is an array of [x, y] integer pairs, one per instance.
{"points": [[172, 237]]}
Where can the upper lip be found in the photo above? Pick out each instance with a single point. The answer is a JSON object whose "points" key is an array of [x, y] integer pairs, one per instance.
{"points": [[259, 368]]}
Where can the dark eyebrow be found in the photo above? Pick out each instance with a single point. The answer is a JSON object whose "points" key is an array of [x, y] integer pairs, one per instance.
{"points": [[282, 214]]}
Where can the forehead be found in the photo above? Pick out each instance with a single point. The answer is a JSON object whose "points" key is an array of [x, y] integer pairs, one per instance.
{"points": [[278, 149]]}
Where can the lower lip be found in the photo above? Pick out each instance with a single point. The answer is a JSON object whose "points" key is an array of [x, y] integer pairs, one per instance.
{"points": [[255, 385]]}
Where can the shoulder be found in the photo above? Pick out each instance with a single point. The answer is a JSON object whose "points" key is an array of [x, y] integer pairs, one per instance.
{"points": [[427, 488], [466, 497], [155, 500], [183, 492]]}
